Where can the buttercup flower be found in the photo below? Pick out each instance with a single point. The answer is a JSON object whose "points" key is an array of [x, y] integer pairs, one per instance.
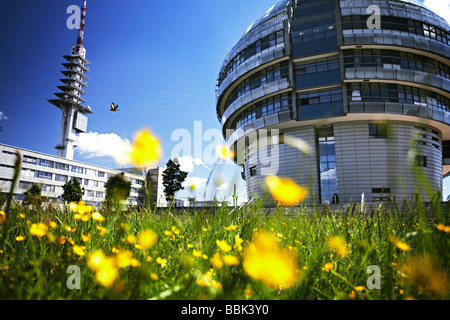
{"points": [[400, 245], [217, 261], [230, 260], [285, 190], [2, 217], [223, 245], [328, 267], [231, 228], [39, 230], [196, 253], [337, 244], [147, 239], [266, 261], [20, 238], [98, 217], [79, 250], [96, 259], [146, 149], [131, 239], [162, 262]]}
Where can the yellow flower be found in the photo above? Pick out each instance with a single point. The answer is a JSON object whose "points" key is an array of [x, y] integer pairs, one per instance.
{"points": [[146, 149], [98, 217], [52, 224], [328, 266], [154, 276], [224, 152], [21, 215], [337, 244], [352, 295], [196, 253], [359, 288], [248, 293], [124, 258], [189, 246], [204, 229], [96, 259], [101, 230], [223, 245], [2, 217], [39, 230], [20, 238], [131, 239], [73, 206], [443, 228], [147, 239], [217, 261], [162, 262], [107, 273], [61, 239], [285, 190], [85, 238], [175, 230], [400, 245], [265, 260], [80, 208], [230, 260], [167, 233], [79, 250], [231, 228], [238, 243]]}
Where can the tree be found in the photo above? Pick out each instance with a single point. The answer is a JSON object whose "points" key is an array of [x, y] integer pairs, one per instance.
{"points": [[33, 196], [72, 191], [117, 188], [173, 177]]}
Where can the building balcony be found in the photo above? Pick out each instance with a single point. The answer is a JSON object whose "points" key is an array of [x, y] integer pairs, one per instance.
{"points": [[254, 95], [258, 60], [398, 75]]}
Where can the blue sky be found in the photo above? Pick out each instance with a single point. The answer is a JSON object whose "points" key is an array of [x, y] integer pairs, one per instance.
{"points": [[158, 60]]}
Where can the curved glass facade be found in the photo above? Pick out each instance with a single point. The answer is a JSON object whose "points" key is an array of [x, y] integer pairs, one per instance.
{"points": [[316, 71]]}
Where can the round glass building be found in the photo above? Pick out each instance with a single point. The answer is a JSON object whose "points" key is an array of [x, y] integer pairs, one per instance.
{"points": [[365, 85]]}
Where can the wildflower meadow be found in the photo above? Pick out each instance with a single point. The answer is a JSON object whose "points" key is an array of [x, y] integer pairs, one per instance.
{"points": [[252, 252]]}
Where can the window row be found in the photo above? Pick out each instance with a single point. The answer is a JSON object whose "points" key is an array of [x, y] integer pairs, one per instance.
{"points": [[268, 75], [316, 97], [320, 65], [396, 93], [62, 166], [315, 33], [390, 59], [253, 49], [399, 24], [264, 108]]}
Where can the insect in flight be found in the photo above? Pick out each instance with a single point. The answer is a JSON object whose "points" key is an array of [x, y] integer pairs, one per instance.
{"points": [[114, 107]]}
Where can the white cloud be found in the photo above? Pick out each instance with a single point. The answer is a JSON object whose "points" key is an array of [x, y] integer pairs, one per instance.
{"points": [[2, 116], [95, 144], [441, 7], [187, 163]]}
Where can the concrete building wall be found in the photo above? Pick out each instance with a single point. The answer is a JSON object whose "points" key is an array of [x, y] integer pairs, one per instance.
{"points": [[365, 163]]}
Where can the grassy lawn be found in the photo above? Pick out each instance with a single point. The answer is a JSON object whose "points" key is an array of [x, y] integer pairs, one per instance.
{"points": [[223, 254]]}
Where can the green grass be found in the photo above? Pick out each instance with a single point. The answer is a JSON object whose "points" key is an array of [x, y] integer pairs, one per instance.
{"points": [[36, 268]]}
